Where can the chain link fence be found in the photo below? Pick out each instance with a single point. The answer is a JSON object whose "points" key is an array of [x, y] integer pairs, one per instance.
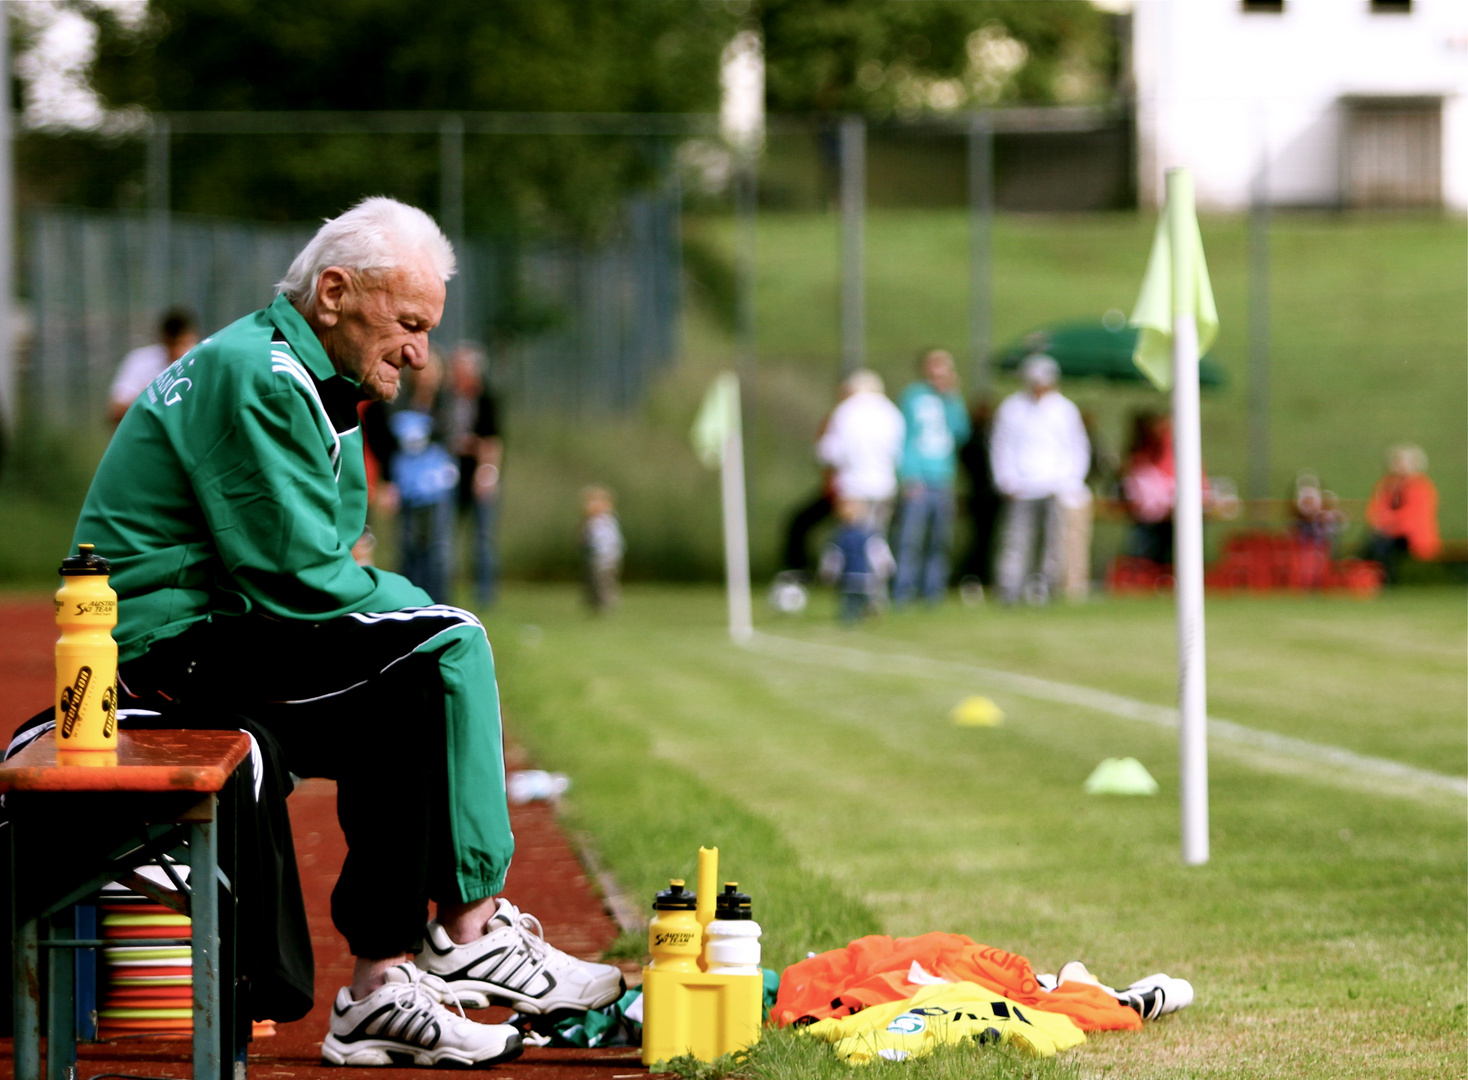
{"points": [[571, 326]]}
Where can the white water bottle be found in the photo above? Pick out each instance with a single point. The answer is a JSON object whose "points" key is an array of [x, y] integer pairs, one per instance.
{"points": [[731, 939]]}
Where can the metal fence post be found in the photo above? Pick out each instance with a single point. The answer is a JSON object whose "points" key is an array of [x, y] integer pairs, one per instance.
{"points": [[1259, 465], [451, 217], [853, 262], [159, 226], [980, 251], [8, 386]]}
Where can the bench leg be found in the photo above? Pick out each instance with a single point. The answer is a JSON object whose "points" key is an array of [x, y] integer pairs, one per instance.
{"points": [[25, 940], [204, 909], [61, 1004]]}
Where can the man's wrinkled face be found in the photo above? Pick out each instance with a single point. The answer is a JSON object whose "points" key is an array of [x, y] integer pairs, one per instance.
{"points": [[374, 325]]}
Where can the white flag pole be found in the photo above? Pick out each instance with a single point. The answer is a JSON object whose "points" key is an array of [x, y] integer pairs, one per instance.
{"points": [[736, 528], [1188, 525]]}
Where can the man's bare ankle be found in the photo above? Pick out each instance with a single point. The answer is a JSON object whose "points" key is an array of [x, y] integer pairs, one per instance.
{"points": [[368, 975], [466, 922]]}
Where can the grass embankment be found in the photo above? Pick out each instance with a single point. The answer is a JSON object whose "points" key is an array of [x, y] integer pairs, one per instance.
{"points": [[1368, 339], [1325, 938], [1367, 345]]}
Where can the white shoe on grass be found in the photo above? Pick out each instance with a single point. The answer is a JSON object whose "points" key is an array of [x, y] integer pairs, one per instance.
{"points": [[1157, 995], [405, 1022], [513, 964]]}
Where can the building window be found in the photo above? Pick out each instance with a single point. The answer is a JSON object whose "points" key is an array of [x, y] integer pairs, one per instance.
{"points": [[1391, 7], [1269, 7]]}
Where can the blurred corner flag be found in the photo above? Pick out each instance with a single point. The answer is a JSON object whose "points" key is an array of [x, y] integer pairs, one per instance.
{"points": [[718, 440], [1176, 283], [1178, 322]]}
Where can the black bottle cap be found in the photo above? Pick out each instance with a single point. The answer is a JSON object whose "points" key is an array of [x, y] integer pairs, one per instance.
{"points": [[87, 562], [731, 903], [675, 898]]}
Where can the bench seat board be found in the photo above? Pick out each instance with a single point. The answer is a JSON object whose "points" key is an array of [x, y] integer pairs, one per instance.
{"points": [[160, 761]]}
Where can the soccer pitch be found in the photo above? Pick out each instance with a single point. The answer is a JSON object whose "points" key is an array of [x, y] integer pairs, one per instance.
{"points": [[1325, 938]]}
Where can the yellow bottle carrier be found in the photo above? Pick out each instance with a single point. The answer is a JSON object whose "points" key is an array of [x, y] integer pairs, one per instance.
{"points": [[686, 1009]]}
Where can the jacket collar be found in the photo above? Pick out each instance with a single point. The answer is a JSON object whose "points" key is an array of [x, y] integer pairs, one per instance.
{"points": [[301, 338]]}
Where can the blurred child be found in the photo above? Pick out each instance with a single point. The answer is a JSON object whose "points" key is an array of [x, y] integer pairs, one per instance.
{"points": [[602, 548], [1317, 511], [857, 561]]}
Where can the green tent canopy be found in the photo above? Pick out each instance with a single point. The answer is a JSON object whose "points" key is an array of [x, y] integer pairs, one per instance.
{"points": [[1091, 349]]}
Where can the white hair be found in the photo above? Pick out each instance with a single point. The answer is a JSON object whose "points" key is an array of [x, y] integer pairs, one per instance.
{"points": [[376, 235], [1409, 457], [1039, 370], [863, 381]]}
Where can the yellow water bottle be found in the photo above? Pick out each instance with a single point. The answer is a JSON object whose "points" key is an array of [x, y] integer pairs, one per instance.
{"points": [[674, 937], [86, 657]]}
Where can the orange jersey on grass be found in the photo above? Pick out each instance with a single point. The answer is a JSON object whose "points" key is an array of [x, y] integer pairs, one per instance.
{"points": [[874, 970]]}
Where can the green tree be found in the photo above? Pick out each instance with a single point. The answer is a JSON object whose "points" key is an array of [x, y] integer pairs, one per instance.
{"points": [[880, 57], [644, 56]]}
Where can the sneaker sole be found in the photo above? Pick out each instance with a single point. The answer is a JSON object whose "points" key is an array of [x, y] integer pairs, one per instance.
{"points": [[373, 1053], [476, 994]]}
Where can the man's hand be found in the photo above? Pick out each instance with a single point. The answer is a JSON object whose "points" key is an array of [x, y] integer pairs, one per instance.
{"points": [[486, 480]]}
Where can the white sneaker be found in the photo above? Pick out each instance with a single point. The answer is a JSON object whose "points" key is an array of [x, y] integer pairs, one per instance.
{"points": [[404, 1022], [1157, 995], [512, 964]]}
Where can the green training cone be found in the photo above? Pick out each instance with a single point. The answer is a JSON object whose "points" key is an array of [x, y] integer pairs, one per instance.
{"points": [[1121, 776]]}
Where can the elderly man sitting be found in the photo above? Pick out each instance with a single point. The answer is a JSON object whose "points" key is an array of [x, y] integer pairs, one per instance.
{"points": [[228, 503]]}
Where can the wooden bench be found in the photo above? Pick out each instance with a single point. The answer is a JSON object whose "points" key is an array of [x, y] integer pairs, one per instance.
{"points": [[74, 828]]}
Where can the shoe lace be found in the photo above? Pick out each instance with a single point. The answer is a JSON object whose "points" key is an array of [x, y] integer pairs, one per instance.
{"points": [[428, 993], [532, 934]]}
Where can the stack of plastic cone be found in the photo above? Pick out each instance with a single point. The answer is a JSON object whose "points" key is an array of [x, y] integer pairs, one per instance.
{"points": [[146, 989]]}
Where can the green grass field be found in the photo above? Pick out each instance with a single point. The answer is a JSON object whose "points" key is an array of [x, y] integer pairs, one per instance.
{"points": [[1326, 938]]}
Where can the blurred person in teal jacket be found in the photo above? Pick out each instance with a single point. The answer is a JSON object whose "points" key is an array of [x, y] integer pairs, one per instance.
{"points": [[937, 425]]}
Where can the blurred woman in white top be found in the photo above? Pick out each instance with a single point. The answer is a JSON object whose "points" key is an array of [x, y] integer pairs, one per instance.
{"points": [[863, 444]]}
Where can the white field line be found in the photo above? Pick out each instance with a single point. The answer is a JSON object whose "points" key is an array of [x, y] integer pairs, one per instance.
{"points": [[1100, 701]]}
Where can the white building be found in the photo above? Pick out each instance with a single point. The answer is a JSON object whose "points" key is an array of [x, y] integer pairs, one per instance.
{"points": [[1345, 102]]}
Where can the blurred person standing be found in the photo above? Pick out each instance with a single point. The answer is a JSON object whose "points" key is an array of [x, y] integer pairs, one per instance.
{"points": [[177, 334], [863, 444], [474, 436], [602, 548], [1149, 485], [1402, 513], [976, 571], [1038, 452], [936, 425], [423, 477]]}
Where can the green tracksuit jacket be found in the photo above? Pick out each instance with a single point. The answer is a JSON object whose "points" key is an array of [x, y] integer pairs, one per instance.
{"points": [[227, 489]]}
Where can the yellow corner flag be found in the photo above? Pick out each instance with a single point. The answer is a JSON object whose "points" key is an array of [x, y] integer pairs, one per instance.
{"points": [[717, 416], [1170, 290]]}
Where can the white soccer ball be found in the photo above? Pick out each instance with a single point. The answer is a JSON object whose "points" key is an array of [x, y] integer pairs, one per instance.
{"points": [[789, 597]]}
